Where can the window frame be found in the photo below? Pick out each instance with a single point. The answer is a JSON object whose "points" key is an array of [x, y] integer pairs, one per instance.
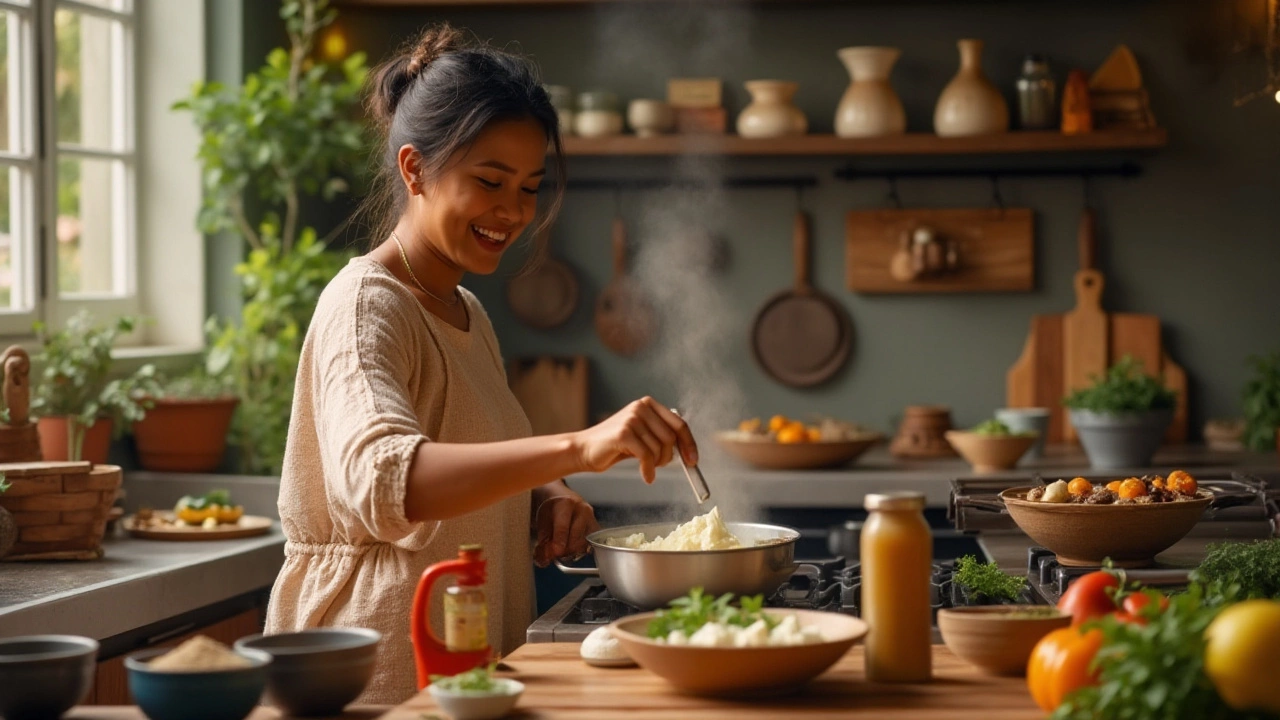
{"points": [[27, 217]]}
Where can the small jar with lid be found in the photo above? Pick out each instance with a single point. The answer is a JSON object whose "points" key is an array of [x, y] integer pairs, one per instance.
{"points": [[597, 115], [1037, 95], [896, 553], [562, 100]]}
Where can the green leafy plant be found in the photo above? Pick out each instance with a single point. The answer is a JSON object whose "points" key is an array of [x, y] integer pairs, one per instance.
{"points": [[1237, 571], [476, 680], [4, 484], [696, 609], [197, 383], [987, 579], [292, 129], [75, 378], [1123, 388], [1262, 402]]}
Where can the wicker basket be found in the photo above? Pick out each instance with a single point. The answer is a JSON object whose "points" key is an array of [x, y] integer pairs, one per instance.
{"points": [[60, 508]]}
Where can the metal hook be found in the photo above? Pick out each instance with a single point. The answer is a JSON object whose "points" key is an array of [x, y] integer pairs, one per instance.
{"points": [[893, 191], [996, 198]]}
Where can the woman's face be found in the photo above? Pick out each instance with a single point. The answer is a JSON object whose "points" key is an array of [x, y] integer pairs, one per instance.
{"points": [[485, 198]]}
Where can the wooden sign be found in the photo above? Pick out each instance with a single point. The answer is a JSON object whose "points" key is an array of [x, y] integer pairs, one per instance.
{"points": [[983, 250]]}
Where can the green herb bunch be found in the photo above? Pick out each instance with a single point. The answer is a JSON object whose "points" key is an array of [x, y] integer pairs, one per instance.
{"points": [[689, 613], [1262, 402], [1123, 388], [199, 384], [1155, 671], [477, 680], [4, 484], [987, 580], [1236, 571], [75, 378]]}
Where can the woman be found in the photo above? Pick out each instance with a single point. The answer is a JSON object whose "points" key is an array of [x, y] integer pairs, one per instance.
{"points": [[405, 441]]}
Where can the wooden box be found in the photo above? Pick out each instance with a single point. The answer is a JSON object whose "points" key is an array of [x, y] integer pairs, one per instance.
{"points": [[60, 508]]}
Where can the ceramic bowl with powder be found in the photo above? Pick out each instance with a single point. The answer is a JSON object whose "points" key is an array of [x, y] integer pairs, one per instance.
{"points": [[197, 681]]}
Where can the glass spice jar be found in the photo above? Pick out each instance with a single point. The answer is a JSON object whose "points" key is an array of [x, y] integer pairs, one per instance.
{"points": [[1037, 95]]}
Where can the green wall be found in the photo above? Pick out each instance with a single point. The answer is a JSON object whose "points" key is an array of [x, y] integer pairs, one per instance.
{"points": [[1193, 240]]}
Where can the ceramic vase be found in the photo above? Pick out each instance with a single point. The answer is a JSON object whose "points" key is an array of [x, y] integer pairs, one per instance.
{"points": [[771, 112], [970, 104], [650, 117], [869, 106]]}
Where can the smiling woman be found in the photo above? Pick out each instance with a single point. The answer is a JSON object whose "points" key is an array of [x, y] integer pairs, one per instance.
{"points": [[405, 441]]}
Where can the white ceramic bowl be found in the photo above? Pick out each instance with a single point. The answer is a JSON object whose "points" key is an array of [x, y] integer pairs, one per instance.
{"points": [[479, 706]]}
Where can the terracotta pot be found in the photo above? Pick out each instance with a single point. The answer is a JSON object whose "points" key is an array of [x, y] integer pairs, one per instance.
{"points": [[53, 439], [869, 106], [922, 432], [771, 113], [184, 435], [970, 104]]}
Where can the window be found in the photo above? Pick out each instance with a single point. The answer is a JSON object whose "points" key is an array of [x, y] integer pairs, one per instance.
{"points": [[67, 160]]}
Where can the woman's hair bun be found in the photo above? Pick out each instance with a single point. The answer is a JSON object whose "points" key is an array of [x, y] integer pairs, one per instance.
{"points": [[435, 41]]}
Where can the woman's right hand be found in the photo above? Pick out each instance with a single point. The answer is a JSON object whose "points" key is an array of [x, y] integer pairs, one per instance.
{"points": [[644, 430]]}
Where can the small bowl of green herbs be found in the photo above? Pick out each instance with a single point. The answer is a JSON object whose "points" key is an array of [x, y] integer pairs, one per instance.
{"points": [[991, 445], [475, 694]]}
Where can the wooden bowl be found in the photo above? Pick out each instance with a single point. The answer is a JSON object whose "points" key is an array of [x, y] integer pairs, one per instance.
{"points": [[987, 453], [993, 638], [1084, 535], [772, 455], [742, 672]]}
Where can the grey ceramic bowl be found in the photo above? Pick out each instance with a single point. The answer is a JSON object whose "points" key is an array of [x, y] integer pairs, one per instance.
{"points": [[316, 672], [197, 695], [42, 676], [1115, 441]]}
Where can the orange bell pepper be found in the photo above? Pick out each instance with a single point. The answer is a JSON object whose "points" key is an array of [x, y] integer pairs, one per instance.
{"points": [[1059, 665]]}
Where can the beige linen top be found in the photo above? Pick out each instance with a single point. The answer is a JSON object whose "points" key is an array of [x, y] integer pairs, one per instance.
{"points": [[379, 375]]}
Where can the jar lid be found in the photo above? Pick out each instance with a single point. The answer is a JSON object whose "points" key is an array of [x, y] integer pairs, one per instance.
{"points": [[903, 500]]}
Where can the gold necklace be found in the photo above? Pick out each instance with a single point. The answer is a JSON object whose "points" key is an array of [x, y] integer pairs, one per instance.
{"points": [[414, 278]]}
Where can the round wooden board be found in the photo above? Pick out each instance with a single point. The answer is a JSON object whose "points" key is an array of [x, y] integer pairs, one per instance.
{"points": [[248, 526]]}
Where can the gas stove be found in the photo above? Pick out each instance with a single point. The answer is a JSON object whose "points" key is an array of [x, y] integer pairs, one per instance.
{"points": [[1048, 578], [831, 584]]}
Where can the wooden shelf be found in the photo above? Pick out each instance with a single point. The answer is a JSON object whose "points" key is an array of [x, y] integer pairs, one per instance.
{"points": [[830, 145]]}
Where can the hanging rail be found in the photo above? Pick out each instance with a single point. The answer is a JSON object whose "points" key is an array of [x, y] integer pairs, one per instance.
{"points": [[1127, 170], [797, 182]]}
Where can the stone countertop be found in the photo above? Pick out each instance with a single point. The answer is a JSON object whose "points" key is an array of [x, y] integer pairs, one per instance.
{"points": [[876, 471], [137, 583]]}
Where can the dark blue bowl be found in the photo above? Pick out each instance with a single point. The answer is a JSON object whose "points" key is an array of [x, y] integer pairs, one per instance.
{"points": [[42, 676], [216, 695]]}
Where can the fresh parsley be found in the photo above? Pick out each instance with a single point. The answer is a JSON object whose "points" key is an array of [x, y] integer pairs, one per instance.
{"points": [[689, 613], [477, 680], [987, 579], [1123, 388], [1236, 571]]}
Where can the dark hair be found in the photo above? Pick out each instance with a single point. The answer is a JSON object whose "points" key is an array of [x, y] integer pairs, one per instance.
{"points": [[438, 94]]}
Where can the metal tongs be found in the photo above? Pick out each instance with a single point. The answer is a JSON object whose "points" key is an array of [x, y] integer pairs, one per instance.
{"points": [[696, 481]]}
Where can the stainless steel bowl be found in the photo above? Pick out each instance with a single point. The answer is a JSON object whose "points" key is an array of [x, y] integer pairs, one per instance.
{"points": [[650, 579]]}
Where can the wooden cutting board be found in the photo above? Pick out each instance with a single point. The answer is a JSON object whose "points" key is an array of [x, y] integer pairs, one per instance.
{"points": [[553, 392], [558, 684], [1062, 351]]}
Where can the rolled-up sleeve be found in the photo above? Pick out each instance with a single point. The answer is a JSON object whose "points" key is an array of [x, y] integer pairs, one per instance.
{"points": [[366, 428]]}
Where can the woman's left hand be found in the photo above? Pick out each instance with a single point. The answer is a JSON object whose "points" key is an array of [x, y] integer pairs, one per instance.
{"points": [[562, 523]]}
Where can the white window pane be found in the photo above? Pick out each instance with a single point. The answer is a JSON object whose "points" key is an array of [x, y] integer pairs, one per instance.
{"points": [[17, 239], [13, 108], [91, 224], [121, 5], [87, 79]]}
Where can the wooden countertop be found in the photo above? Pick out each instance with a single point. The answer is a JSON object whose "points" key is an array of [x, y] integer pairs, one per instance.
{"points": [[559, 685], [131, 712]]}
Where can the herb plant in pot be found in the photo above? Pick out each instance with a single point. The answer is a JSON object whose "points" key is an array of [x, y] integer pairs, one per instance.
{"points": [[79, 406], [1262, 403], [1122, 417], [185, 429]]}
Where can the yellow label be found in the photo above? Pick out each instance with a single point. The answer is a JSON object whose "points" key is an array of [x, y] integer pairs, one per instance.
{"points": [[466, 624]]}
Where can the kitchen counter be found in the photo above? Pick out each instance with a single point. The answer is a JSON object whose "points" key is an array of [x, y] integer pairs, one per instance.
{"points": [[876, 471], [558, 685], [137, 583]]}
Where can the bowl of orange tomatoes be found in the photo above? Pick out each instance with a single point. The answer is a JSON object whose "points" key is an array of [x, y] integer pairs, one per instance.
{"points": [[784, 443], [1129, 520]]}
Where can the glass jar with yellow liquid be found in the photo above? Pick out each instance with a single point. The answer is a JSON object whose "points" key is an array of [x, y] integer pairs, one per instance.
{"points": [[466, 610], [897, 561]]}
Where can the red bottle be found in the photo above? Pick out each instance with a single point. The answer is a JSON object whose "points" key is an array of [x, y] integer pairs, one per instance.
{"points": [[1077, 111], [466, 617]]}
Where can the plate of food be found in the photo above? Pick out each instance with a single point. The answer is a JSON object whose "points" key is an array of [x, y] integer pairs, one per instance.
{"points": [[212, 516], [709, 645], [1129, 520], [785, 443]]}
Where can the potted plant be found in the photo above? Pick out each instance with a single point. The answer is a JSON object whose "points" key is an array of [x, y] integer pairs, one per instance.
{"points": [[78, 404], [1262, 403], [1122, 417], [185, 429]]}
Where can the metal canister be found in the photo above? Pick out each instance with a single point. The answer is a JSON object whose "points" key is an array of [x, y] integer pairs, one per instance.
{"points": [[1037, 95]]}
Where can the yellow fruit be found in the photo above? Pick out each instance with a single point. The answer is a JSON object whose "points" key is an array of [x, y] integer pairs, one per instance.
{"points": [[750, 426], [229, 514], [792, 434], [815, 434], [1079, 486], [1242, 652], [777, 422]]}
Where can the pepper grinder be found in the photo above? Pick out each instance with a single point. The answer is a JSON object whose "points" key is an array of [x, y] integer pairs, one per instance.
{"points": [[1037, 95]]}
